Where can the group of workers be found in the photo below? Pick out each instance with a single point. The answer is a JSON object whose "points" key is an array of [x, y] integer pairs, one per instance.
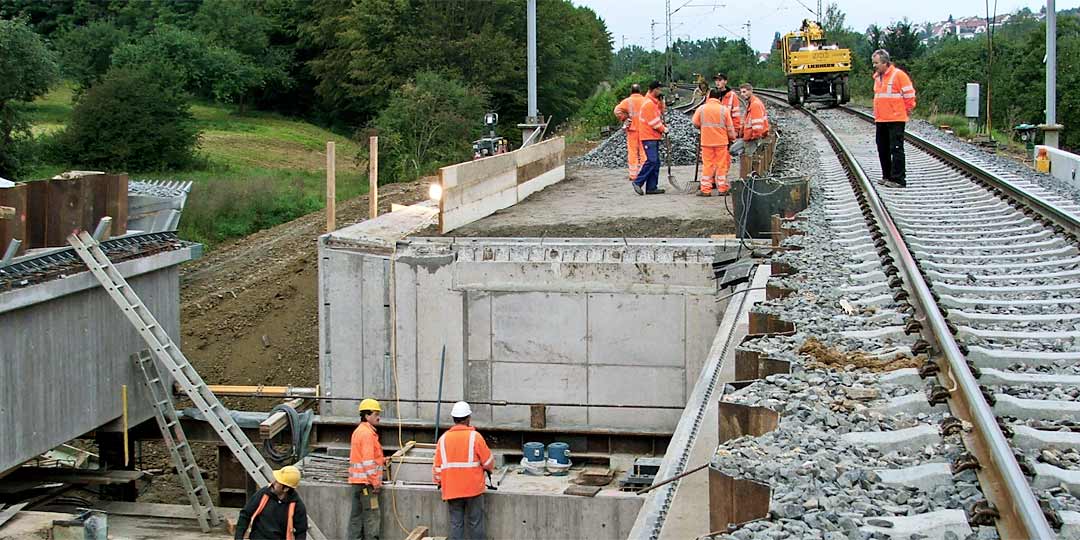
{"points": [[462, 458], [725, 117]]}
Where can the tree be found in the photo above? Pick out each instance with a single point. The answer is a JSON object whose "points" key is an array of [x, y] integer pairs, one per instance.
{"points": [[28, 69], [902, 41], [133, 119], [834, 20], [191, 61], [427, 122], [86, 52]]}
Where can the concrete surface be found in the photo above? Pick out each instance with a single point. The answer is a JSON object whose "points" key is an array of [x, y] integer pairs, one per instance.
{"points": [[1063, 165], [597, 202], [932, 525], [525, 320], [889, 441], [524, 507], [66, 352]]}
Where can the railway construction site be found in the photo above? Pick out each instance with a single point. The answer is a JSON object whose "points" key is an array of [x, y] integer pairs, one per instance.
{"points": [[813, 356]]}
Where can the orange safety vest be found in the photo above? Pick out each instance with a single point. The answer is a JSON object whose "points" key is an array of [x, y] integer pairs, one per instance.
{"points": [[262, 504], [366, 456], [894, 96], [756, 123], [731, 101], [650, 123], [461, 456], [714, 119], [628, 109]]}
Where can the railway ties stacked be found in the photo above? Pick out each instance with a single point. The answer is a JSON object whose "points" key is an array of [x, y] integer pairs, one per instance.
{"points": [[859, 451]]}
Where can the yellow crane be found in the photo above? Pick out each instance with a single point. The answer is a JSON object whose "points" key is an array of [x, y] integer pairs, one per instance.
{"points": [[816, 69]]}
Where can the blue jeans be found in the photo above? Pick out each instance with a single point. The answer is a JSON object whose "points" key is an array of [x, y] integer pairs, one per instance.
{"points": [[650, 172]]}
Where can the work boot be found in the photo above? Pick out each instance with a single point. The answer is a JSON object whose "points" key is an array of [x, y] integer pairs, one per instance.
{"points": [[704, 194], [724, 191], [658, 191], [883, 181], [638, 190], [892, 184]]}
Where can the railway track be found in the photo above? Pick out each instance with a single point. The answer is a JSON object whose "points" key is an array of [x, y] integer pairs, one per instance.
{"points": [[976, 268]]}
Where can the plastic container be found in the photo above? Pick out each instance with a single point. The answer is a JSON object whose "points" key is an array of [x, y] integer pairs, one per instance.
{"points": [[558, 462], [533, 462], [1042, 162]]}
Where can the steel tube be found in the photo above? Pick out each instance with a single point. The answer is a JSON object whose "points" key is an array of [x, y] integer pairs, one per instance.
{"points": [[532, 59], [1051, 63]]}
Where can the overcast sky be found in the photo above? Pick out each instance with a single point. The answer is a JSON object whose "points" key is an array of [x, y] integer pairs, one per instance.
{"points": [[630, 20]]}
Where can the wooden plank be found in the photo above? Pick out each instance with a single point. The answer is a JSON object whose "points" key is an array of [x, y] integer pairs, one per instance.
{"points": [[10, 513], [76, 476], [582, 491], [416, 534], [71, 208]]}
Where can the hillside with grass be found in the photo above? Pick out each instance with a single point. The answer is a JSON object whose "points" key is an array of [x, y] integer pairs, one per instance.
{"points": [[253, 170]]}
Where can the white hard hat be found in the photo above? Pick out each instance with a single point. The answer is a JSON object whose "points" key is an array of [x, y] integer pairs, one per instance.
{"points": [[461, 410]]}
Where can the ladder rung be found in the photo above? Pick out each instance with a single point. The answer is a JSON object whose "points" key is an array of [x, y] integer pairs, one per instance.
{"points": [[171, 423], [189, 467], [155, 380], [181, 445], [198, 489], [162, 403]]}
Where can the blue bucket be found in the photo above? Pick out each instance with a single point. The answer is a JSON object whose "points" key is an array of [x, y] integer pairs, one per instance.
{"points": [[557, 452], [534, 452]]}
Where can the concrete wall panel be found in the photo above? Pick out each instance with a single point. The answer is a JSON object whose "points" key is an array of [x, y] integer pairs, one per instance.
{"points": [[479, 317], [702, 317], [375, 289], [658, 419], [440, 321], [344, 310], [637, 330], [542, 383], [637, 385], [539, 327], [406, 313]]}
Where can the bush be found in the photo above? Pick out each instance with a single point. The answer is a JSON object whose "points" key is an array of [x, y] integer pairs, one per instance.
{"points": [[229, 208], [28, 68], [429, 122], [131, 120]]}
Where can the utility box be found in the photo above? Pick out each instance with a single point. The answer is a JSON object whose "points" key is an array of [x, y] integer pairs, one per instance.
{"points": [[971, 102]]}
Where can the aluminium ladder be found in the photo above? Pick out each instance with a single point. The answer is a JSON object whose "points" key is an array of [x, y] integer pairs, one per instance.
{"points": [[165, 351], [172, 432]]}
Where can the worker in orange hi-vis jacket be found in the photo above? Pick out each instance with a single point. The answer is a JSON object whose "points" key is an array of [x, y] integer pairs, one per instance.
{"points": [[756, 122], [366, 465], [627, 112], [461, 457], [717, 132], [651, 129], [894, 98], [730, 99]]}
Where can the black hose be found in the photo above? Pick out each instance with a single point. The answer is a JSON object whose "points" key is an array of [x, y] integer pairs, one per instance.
{"points": [[299, 428]]}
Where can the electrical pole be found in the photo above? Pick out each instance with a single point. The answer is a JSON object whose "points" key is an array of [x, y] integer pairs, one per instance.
{"points": [[624, 41], [531, 31], [819, 13], [667, 12], [1051, 128], [747, 25], [652, 30]]}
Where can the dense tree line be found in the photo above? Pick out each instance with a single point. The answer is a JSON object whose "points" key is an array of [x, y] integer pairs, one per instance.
{"points": [[337, 62]]}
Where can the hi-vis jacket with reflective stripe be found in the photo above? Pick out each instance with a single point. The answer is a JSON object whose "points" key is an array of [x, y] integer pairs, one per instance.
{"points": [[628, 109], [650, 120], [756, 123], [461, 456], [366, 457], [894, 96], [714, 119], [731, 101]]}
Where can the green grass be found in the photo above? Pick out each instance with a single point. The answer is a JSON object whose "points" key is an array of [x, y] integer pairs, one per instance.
{"points": [[254, 171]]}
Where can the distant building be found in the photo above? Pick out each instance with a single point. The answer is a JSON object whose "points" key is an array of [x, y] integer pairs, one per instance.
{"points": [[963, 28]]}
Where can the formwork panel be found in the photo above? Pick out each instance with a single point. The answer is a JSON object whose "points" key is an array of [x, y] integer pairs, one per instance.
{"points": [[637, 329], [539, 327]]}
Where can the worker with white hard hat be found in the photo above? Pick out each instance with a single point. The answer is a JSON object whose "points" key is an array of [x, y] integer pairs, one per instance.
{"points": [[461, 457], [366, 474], [275, 511]]}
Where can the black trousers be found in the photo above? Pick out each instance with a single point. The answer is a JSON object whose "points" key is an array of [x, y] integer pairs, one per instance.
{"points": [[890, 147]]}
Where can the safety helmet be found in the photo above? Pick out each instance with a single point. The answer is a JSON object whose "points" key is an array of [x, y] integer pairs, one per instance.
{"points": [[370, 405], [461, 410], [289, 476]]}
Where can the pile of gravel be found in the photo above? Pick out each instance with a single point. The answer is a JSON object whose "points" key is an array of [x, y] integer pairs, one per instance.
{"points": [[611, 152]]}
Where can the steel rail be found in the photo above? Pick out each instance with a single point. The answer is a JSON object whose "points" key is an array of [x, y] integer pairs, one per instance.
{"points": [[1065, 220], [1020, 513]]}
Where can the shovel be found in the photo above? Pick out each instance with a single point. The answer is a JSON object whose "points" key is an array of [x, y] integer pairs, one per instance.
{"points": [[670, 176]]}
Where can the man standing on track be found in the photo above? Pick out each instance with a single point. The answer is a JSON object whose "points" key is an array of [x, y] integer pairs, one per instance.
{"points": [[894, 99], [651, 129], [717, 131], [627, 112], [730, 99]]}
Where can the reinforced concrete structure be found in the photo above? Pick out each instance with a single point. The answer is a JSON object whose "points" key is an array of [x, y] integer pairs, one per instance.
{"points": [[607, 333], [65, 352]]}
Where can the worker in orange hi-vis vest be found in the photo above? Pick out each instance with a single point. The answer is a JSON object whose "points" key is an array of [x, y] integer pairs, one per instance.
{"points": [[755, 125], [366, 463], [461, 457], [894, 98], [717, 132], [730, 99], [651, 129], [627, 112]]}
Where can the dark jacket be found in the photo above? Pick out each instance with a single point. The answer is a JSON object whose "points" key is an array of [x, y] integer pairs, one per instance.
{"points": [[271, 523]]}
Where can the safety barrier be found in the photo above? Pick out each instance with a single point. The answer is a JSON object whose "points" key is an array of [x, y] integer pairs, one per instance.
{"points": [[476, 189]]}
